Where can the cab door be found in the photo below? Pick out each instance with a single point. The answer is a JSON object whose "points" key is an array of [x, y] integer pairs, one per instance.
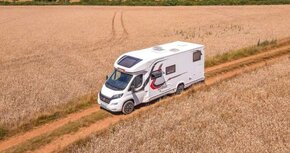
{"points": [[138, 92]]}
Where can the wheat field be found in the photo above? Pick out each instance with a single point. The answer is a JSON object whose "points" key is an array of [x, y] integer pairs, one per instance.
{"points": [[50, 55], [250, 113]]}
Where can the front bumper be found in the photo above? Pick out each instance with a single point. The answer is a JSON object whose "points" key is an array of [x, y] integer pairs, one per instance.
{"points": [[111, 107]]}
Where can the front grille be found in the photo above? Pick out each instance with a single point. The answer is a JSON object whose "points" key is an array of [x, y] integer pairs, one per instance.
{"points": [[104, 98]]}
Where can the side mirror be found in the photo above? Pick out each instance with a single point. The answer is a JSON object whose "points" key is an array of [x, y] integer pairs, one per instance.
{"points": [[107, 77]]}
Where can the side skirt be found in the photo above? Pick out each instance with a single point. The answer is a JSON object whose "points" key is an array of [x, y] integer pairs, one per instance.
{"points": [[161, 95], [193, 82]]}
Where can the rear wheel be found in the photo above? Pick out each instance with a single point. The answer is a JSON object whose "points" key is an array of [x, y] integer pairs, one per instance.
{"points": [[128, 107], [180, 88]]}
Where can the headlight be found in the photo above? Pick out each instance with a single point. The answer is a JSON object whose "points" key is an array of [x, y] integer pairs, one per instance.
{"points": [[117, 96]]}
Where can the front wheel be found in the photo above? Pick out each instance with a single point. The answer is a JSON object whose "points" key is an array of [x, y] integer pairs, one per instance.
{"points": [[128, 107]]}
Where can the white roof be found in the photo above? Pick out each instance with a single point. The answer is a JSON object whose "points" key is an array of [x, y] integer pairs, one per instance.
{"points": [[151, 54]]}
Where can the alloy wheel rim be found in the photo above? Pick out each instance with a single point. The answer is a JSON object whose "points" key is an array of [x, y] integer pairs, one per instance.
{"points": [[128, 108]]}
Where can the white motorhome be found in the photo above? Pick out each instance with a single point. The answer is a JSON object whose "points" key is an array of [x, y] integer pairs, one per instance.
{"points": [[144, 75]]}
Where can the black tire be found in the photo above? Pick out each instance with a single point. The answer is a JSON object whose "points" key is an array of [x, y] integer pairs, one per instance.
{"points": [[128, 107], [179, 89]]}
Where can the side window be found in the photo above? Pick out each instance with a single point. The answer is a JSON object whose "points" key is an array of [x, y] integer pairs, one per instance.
{"points": [[138, 81], [170, 69], [197, 55]]}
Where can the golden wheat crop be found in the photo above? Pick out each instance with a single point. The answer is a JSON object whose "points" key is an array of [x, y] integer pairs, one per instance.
{"points": [[247, 114], [50, 55]]}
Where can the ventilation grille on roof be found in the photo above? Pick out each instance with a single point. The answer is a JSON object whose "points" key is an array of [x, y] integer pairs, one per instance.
{"points": [[158, 48], [182, 45]]}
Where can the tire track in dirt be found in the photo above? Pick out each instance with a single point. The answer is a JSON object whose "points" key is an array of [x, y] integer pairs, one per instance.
{"points": [[118, 36], [20, 138], [38, 58], [54, 125], [245, 59], [69, 139], [103, 42], [125, 33], [113, 31], [100, 44], [63, 141]]}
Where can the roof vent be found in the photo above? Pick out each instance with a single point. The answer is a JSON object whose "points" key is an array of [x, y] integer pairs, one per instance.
{"points": [[174, 50], [182, 45], [158, 48]]}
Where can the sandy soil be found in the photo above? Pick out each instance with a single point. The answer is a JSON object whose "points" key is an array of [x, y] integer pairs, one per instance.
{"points": [[52, 54]]}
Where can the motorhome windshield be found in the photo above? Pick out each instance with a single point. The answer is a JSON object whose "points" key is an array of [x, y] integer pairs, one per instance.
{"points": [[118, 80]]}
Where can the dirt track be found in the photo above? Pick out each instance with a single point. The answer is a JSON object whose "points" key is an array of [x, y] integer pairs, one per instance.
{"points": [[52, 55], [246, 59], [15, 140], [103, 124]]}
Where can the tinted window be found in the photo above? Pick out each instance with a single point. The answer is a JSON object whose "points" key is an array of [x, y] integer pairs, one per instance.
{"points": [[138, 81], [170, 69], [156, 74], [197, 56], [128, 61]]}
